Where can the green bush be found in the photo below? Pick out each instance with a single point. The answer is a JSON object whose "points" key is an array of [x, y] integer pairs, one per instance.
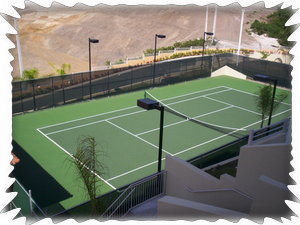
{"points": [[30, 74], [275, 26], [184, 44]]}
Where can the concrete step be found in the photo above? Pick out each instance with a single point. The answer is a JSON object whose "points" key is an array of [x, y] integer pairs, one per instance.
{"points": [[146, 210]]}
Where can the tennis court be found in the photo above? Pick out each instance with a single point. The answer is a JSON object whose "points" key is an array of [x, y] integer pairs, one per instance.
{"points": [[129, 135]]}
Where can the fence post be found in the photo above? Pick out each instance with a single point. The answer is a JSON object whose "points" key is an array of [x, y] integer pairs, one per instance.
{"points": [[52, 84], [63, 88], [211, 64], [21, 95], [251, 134], [131, 78], [33, 90], [108, 83], [186, 65], [82, 92]]}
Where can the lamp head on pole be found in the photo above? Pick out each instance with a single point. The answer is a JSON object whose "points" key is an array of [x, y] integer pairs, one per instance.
{"points": [[160, 35], [147, 104], [209, 33], [263, 78], [91, 40]]}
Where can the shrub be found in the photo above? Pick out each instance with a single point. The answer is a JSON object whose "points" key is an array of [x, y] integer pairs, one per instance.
{"points": [[30, 74], [275, 26]]}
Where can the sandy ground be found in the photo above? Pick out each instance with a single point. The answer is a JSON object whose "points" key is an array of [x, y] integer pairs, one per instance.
{"points": [[61, 35]]}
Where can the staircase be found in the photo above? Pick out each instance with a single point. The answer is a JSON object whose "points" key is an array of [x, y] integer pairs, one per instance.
{"points": [[135, 194]]}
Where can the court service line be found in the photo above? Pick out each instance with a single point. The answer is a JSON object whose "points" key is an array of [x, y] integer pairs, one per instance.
{"points": [[130, 107], [245, 92], [88, 117], [195, 92], [128, 114], [98, 121], [193, 98], [123, 174], [183, 121], [232, 105], [130, 171], [128, 132], [68, 153]]}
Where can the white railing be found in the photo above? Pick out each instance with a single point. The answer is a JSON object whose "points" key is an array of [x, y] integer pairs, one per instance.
{"points": [[136, 194], [219, 190], [282, 126]]}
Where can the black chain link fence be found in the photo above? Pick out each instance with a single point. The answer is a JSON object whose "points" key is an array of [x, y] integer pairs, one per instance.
{"points": [[59, 90]]}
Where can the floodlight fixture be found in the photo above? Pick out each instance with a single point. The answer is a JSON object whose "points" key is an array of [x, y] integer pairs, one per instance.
{"points": [[154, 60], [204, 37], [160, 35], [150, 104], [209, 33], [94, 41]]}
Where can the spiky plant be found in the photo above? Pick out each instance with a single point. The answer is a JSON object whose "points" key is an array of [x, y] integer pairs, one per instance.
{"points": [[63, 70], [86, 160], [264, 101], [30, 73]]}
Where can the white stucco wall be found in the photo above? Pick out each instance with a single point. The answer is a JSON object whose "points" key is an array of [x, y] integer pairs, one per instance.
{"points": [[225, 70]]}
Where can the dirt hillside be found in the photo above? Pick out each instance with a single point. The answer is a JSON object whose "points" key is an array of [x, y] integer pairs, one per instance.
{"points": [[61, 36]]}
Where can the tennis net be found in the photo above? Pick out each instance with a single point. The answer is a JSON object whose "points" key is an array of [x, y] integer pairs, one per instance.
{"points": [[231, 131]]}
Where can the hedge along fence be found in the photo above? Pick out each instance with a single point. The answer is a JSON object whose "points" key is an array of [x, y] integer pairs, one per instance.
{"points": [[184, 52]]}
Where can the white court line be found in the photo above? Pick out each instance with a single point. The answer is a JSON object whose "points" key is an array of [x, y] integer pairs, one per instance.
{"points": [[196, 92], [189, 99], [188, 149], [183, 121], [98, 121], [118, 110], [136, 136], [130, 171], [232, 105], [75, 159], [83, 118], [256, 95]]}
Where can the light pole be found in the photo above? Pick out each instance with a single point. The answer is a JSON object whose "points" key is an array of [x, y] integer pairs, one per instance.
{"points": [[90, 65], [204, 37], [150, 104], [266, 78], [154, 60]]}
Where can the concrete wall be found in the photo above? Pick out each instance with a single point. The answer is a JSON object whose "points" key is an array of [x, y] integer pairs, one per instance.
{"points": [[190, 183], [225, 70], [258, 190], [177, 208], [266, 183]]}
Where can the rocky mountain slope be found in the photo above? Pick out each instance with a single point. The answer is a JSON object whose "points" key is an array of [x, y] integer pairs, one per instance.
{"points": [[61, 35]]}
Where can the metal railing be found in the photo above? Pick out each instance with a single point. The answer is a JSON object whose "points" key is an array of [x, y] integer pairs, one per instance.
{"points": [[281, 126], [219, 154], [218, 190], [25, 201], [135, 194]]}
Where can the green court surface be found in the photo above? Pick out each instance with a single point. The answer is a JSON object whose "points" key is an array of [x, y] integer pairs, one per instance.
{"points": [[129, 135]]}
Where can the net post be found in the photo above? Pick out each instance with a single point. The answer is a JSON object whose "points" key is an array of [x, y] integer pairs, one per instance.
{"points": [[251, 134]]}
